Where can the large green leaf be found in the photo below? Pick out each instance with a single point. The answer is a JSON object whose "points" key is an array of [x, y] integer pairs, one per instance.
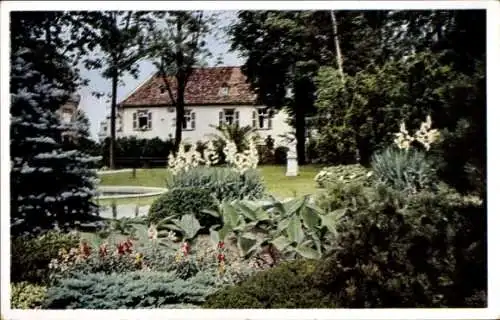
{"points": [[311, 218], [230, 215], [293, 206], [294, 230], [330, 221], [307, 252], [211, 212], [214, 236], [311, 206], [281, 243], [282, 225], [189, 225], [247, 246], [247, 212], [224, 231]]}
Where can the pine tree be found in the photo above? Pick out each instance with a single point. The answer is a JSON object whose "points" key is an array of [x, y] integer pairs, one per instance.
{"points": [[52, 184]]}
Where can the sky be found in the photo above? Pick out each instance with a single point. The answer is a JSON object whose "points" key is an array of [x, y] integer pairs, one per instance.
{"points": [[97, 109]]}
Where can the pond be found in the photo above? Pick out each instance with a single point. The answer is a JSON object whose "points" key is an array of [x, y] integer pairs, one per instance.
{"points": [[122, 192]]}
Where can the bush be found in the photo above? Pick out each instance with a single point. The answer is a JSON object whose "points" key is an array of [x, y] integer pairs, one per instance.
{"points": [[266, 151], [133, 152], [30, 257], [26, 296], [344, 195], [425, 250], [312, 154], [406, 170], [182, 201], [343, 173], [286, 286], [394, 251], [280, 155], [128, 290], [222, 183]]}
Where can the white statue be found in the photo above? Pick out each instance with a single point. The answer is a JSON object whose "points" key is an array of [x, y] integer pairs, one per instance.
{"points": [[292, 148], [292, 167]]}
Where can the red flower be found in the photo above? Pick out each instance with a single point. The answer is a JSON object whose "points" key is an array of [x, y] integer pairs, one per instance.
{"points": [[220, 257], [220, 245], [103, 250], [127, 245], [84, 249], [121, 248]]}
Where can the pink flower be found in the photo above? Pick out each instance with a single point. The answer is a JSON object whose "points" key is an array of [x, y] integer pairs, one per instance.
{"points": [[220, 245], [185, 248]]}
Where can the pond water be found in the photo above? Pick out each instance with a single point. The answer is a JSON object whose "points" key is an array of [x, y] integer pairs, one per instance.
{"points": [[119, 192]]}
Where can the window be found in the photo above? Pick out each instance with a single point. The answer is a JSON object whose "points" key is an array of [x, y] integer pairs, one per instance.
{"points": [[189, 122], [229, 117], [163, 89], [224, 90], [262, 119], [142, 120]]}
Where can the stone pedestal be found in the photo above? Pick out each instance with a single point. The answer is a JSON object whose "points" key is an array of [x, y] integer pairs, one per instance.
{"points": [[292, 167]]}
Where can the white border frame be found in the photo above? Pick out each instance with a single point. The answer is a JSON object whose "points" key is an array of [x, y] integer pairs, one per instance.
{"points": [[493, 74]]}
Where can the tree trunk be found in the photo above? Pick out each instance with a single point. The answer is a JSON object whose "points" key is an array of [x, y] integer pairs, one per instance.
{"points": [[302, 104], [179, 108], [337, 46], [300, 135], [114, 89]]}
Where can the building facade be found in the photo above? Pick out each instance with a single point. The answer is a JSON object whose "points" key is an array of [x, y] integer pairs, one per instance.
{"points": [[213, 96]]}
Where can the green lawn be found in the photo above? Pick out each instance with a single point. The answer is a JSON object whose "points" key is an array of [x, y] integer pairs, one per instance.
{"points": [[274, 178]]}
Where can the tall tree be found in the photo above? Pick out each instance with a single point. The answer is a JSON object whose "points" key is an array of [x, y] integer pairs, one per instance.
{"points": [[178, 44], [338, 51], [120, 37], [283, 50], [400, 65], [51, 183]]}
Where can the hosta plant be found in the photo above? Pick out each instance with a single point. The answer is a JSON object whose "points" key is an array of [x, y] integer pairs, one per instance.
{"points": [[295, 227]]}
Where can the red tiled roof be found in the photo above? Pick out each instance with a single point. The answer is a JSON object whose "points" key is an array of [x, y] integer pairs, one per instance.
{"points": [[204, 87]]}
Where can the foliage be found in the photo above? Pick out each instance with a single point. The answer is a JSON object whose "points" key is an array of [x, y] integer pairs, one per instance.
{"points": [[128, 291], [182, 201], [134, 152], [408, 251], [120, 37], [177, 45], [282, 75], [348, 173], [30, 256], [295, 228], [266, 151], [344, 195], [25, 295], [409, 170], [434, 65], [222, 183], [41, 81], [86, 259], [286, 286], [280, 154], [241, 136], [395, 251]]}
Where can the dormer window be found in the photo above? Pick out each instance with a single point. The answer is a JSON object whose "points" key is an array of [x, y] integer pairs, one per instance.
{"points": [[224, 90], [163, 90]]}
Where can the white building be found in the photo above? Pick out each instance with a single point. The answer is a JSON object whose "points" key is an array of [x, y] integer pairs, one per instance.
{"points": [[213, 96]]}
